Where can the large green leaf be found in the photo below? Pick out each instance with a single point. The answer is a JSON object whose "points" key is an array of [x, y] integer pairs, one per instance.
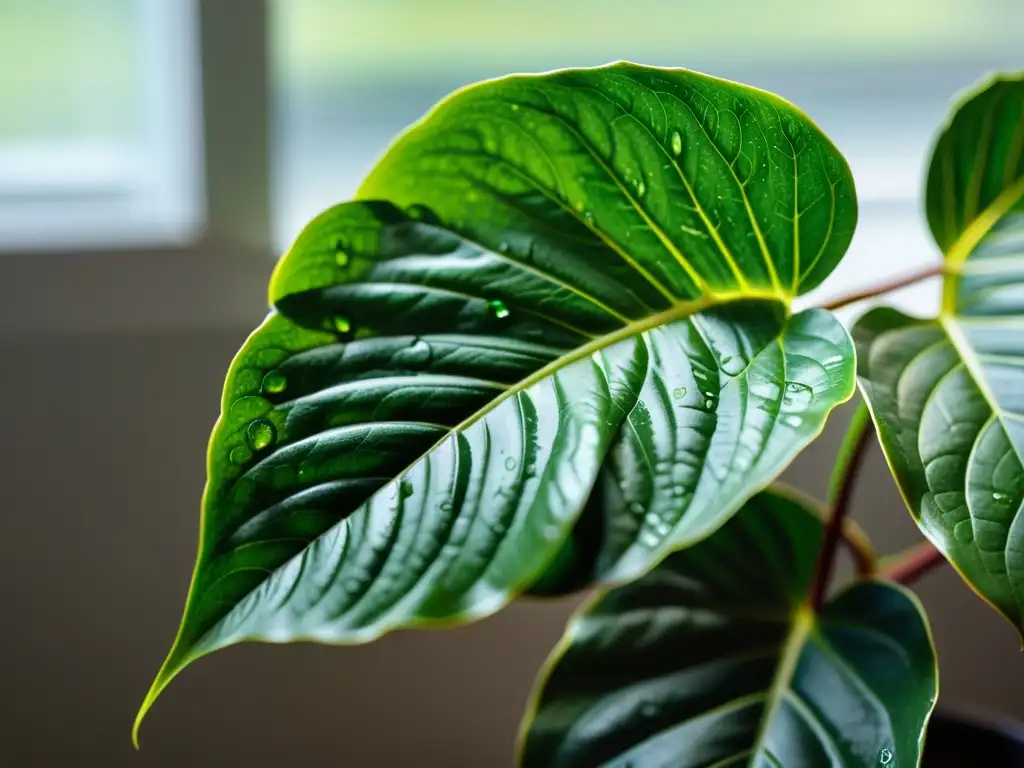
{"points": [[411, 435], [715, 658], [948, 394]]}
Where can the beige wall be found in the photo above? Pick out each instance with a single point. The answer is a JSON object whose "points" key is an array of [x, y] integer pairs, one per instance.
{"points": [[102, 466]]}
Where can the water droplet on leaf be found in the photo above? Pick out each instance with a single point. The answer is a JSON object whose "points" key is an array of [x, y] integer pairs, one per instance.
{"points": [[709, 404], [793, 421], [679, 393], [1000, 497], [964, 532], [640, 188], [733, 365], [677, 143], [260, 434], [240, 455], [417, 354], [797, 397], [498, 309], [341, 324], [274, 383], [510, 463]]}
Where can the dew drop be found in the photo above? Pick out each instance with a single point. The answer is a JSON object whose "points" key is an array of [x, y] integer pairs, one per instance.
{"points": [[649, 539], [446, 506], [797, 397], [260, 434], [498, 309], [709, 404], [240, 455], [274, 383], [1000, 497], [733, 365], [416, 355], [662, 467], [589, 217], [678, 491], [510, 463], [341, 258], [515, 107], [964, 532], [793, 421], [679, 393], [677, 143], [341, 324], [579, 206], [503, 247], [640, 188]]}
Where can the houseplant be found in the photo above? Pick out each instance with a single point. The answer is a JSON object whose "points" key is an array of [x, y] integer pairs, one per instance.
{"points": [[551, 346]]}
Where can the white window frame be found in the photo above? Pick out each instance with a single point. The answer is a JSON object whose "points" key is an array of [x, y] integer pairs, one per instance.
{"points": [[165, 265]]}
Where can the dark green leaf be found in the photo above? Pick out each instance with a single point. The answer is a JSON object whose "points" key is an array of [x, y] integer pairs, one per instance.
{"points": [[409, 439], [948, 394], [715, 658]]}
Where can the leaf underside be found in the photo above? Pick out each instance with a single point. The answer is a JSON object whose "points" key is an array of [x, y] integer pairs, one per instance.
{"points": [[948, 394], [581, 304], [715, 659]]}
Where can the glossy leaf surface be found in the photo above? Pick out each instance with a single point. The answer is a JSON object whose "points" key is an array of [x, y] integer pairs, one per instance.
{"points": [[410, 437], [715, 659], [948, 394]]}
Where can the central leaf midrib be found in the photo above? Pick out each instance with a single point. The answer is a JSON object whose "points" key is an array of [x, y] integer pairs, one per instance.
{"points": [[972, 235], [803, 620]]}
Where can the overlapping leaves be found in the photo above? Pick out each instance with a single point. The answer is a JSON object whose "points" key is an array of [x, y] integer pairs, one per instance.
{"points": [[948, 394], [715, 658], [583, 297]]}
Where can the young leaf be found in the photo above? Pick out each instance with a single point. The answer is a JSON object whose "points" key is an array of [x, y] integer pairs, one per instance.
{"points": [[948, 394], [410, 437], [715, 658]]}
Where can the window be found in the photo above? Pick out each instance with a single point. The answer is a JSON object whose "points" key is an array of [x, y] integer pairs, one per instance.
{"points": [[99, 123]]}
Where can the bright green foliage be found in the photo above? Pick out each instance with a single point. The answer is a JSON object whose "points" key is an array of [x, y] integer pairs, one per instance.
{"points": [[586, 287], [948, 394], [715, 658]]}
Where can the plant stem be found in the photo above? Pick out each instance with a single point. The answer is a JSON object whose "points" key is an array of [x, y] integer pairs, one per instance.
{"points": [[886, 287], [840, 491], [860, 548], [912, 563]]}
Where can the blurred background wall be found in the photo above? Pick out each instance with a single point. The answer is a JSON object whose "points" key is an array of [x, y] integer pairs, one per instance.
{"points": [[156, 156]]}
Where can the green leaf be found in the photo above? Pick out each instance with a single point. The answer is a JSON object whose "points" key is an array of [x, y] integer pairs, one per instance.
{"points": [[410, 437], [948, 394], [715, 658]]}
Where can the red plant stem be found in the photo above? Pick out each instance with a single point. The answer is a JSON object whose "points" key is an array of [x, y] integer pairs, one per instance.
{"points": [[886, 287], [851, 456], [913, 564]]}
